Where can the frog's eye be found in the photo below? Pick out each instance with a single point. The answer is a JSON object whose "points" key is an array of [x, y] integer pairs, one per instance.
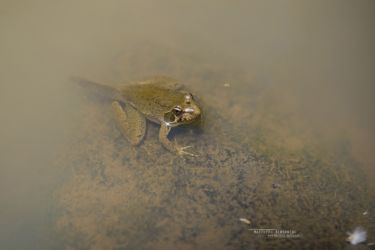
{"points": [[177, 110], [188, 98]]}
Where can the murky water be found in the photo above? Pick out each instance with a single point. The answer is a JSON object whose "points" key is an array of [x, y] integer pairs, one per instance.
{"points": [[286, 142]]}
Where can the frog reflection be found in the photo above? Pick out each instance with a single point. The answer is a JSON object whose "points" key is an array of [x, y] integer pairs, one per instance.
{"points": [[158, 99]]}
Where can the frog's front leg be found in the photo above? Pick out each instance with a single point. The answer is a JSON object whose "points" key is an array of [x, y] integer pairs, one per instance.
{"points": [[173, 147], [131, 123]]}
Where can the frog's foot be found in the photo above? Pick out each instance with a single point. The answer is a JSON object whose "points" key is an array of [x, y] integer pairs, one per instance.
{"points": [[181, 150], [172, 147]]}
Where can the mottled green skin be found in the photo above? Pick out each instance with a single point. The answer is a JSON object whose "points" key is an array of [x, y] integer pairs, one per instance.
{"points": [[158, 99], [154, 97]]}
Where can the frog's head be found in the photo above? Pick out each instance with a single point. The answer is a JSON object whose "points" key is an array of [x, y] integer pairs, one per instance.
{"points": [[184, 113]]}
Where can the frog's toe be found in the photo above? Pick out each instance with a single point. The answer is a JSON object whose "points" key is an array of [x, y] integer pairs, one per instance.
{"points": [[181, 151]]}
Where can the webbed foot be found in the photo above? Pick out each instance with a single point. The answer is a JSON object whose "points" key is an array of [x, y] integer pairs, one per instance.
{"points": [[181, 150]]}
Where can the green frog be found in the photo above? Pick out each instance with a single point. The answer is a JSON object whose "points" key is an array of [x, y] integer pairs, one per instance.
{"points": [[159, 99]]}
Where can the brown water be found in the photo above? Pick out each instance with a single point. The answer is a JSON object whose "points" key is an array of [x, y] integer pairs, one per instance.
{"points": [[287, 143]]}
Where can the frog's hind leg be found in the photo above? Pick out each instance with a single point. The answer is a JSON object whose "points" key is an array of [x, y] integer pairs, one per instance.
{"points": [[131, 123]]}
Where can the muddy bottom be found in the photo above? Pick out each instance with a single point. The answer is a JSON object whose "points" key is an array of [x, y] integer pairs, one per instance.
{"points": [[121, 197]]}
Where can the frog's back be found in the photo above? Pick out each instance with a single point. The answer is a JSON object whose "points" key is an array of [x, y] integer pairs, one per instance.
{"points": [[165, 81], [153, 96]]}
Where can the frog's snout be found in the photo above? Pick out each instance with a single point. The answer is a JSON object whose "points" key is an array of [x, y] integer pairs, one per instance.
{"points": [[190, 114], [197, 112]]}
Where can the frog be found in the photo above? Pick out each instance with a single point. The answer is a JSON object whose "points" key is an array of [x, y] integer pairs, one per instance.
{"points": [[158, 99]]}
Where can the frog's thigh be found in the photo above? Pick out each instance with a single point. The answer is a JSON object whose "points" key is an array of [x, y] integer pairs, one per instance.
{"points": [[132, 123]]}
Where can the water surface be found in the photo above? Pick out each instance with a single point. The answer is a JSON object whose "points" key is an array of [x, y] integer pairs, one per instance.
{"points": [[286, 142]]}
